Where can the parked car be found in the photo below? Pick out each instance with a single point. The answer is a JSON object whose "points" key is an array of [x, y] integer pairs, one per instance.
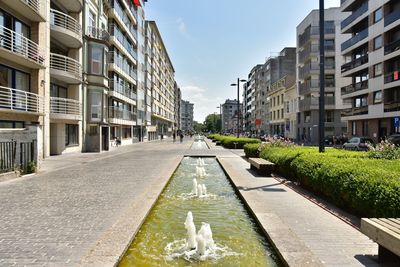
{"points": [[358, 143], [395, 139]]}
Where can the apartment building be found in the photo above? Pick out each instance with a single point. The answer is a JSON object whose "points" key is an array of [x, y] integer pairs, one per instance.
{"points": [[291, 101], [308, 71], [230, 116], [177, 108], [162, 82], [372, 62], [250, 90], [187, 109]]}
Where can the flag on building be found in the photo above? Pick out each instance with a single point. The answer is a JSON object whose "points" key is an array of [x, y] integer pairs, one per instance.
{"points": [[137, 2]]}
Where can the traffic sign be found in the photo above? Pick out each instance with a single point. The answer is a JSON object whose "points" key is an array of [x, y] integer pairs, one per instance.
{"points": [[396, 122]]}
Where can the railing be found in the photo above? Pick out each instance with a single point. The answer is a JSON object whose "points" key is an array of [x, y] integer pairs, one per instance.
{"points": [[392, 17], [392, 106], [34, 4], [124, 17], [122, 88], [8, 153], [119, 113], [355, 39], [65, 106], [313, 31], [14, 99], [392, 76], [26, 155], [67, 64], [355, 63], [356, 14], [305, 87], [354, 111], [354, 87], [21, 45], [62, 20], [122, 62], [313, 103], [97, 33], [117, 33], [391, 47]]}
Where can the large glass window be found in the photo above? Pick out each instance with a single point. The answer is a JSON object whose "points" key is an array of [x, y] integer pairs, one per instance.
{"points": [[58, 91], [95, 110], [13, 78], [378, 42], [96, 60], [71, 135], [377, 15]]}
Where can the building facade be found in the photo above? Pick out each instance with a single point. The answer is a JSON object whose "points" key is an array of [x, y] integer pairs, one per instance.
{"points": [[372, 62], [308, 70], [229, 115], [291, 101], [187, 110]]}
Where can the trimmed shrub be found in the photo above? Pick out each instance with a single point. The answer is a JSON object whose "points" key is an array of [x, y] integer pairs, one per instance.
{"points": [[229, 142], [252, 150], [367, 187]]}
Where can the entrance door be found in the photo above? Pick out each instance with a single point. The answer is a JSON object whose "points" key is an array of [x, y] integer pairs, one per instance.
{"points": [[105, 139]]}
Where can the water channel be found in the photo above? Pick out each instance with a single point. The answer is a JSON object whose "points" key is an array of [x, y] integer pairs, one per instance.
{"points": [[162, 238]]}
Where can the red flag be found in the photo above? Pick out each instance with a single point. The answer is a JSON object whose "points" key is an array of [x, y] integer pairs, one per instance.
{"points": [[136, 2]]}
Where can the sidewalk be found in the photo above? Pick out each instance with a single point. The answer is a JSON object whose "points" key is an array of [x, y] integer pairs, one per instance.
{"points": [[304, 233]]}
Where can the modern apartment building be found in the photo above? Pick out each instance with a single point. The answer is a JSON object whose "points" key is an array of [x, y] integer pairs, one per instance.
{"points": [[372, 64], [251, 89], [177, 108], [162, 82], [187, 109], [230, 116], [308, 70]]}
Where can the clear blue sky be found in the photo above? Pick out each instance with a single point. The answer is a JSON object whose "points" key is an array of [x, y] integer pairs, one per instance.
{"points": [[213, 42]]}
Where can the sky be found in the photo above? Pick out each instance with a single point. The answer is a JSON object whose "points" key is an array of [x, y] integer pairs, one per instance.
{"points": [[211, 43]]}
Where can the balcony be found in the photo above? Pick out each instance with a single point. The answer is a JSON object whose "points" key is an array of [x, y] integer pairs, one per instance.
{"points": [[118, 115], [392, 106], [392, 17], [21, 50], [392, 47], [31, 9], [355, 63], [312, 103], [123, 89], [392, 76], [65, 69], [354, 87], [356, 14], [65, 29], [66, 109], [18, 101], [97, 33], [355, 111], [74, 6], [355, 39]]}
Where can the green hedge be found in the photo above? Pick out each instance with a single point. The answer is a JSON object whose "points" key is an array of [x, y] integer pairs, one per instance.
{"points": [[367, 187], [229, 142], [252, 150]]}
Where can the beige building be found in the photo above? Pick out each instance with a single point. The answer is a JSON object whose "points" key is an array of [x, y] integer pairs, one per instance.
{"points": [[291, 101], [162, 79], [372, 63]]}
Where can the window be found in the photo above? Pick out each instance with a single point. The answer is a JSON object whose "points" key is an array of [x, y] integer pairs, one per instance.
{"points": [[329, 116], [71, 135], [330, 62], [378, 42], [360, 101], [95, 111], [58, 91], [353, 128], [282, 113], [11, 124], [377, 15], [13, 78], [96, 64], [92, 19], [329, 44], [377, 97], [377, 69]]}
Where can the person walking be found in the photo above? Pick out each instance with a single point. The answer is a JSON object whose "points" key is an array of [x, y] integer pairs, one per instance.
{"points": [[181, 137], [173, 137]]}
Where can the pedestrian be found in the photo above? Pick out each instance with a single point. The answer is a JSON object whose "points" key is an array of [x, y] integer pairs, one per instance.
{"points": [[181, 137], [173, 137], [162, 137]]}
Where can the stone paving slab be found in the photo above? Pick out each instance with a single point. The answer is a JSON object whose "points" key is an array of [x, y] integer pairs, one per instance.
{"points": [[323, 238]]}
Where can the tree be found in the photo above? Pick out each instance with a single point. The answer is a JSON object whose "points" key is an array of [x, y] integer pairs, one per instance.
{"points": [[213, 123], [198, 127]]}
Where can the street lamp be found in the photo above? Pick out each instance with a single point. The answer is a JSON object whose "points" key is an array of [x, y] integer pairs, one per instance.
{"points": [[321, 76], [238, 102], [220, 116]]}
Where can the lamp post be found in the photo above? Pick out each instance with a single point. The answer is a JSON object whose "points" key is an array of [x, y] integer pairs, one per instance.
{"points": [[238, 102], [220, 116], [215, 123], [321, 77]]}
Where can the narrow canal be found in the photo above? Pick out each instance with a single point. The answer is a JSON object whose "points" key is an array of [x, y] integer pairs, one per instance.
{"points": [[162, 237]]}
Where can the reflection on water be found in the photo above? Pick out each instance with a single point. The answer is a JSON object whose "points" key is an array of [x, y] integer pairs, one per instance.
{"points": [[162, 235], [199, 143]]}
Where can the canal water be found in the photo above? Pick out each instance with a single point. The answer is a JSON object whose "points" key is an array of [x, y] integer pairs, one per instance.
{"points": [[199, 143], [235, 233]]}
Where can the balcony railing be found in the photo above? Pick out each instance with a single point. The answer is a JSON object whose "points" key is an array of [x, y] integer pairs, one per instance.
{"points": [[355, 63], [355, 39], [356, 14], [18, 100], [392, 106], [97, 33], [392, 17], [354, 87], [392, 76], [34, 4], [21, 45], [355, 111], [119, 113], [65, 106], [313, 31], [122, 88], [122, 63], [306, 87], [313, 102], [66, 64], [391, 47], [65, 21]]}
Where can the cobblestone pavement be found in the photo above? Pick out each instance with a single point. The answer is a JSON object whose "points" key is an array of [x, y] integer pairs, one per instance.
{"points": [[61, 217]]}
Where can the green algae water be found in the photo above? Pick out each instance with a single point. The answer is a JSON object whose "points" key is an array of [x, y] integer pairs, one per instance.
{"points": [[234, 231]]}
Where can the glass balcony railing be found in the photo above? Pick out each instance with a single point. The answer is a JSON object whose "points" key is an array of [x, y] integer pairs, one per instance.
{"points": [[356, 14], [122, 114], [391, 47], [123, 88], [355, 111], [392, 17], [392, 76], [97, 33], [355, 39], [355, 63], [354, 87], [122, 63], [117, 33]]}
